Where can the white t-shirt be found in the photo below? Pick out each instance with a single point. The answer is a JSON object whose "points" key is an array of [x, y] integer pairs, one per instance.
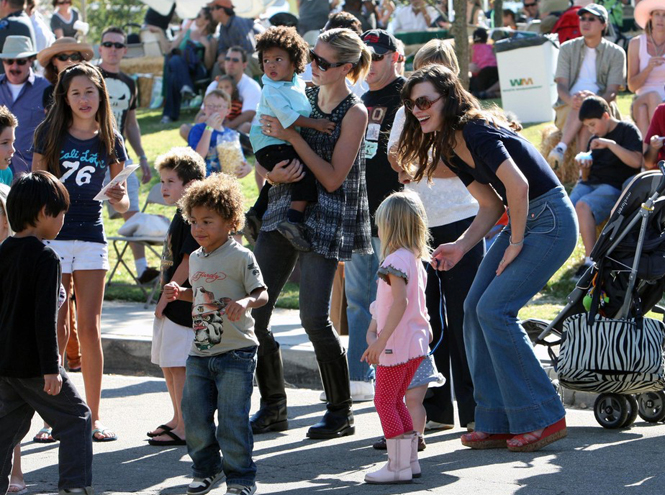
{"points": [[586, 80], [446, 200], [405, 19], [249, 90], [15, 89]]}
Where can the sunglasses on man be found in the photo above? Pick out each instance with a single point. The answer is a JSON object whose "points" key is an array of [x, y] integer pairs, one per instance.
{"points": [[422, 102], [233, 59], [323, 64], [117, 45], [19, 61]]}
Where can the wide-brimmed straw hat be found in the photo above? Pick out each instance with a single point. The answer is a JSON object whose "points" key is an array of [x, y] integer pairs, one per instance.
{"points": [[17, 47], [643, 11], [63, 45]]}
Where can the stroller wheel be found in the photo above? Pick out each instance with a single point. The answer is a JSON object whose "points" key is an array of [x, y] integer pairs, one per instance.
{"points": [[633, 409], [611, 410], [652, 406]]}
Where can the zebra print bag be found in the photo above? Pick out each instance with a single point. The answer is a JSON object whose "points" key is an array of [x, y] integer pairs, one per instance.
{"points": [[612, 356]]}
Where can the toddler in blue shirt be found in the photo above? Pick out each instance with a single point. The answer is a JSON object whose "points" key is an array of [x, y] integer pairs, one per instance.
{"points": [[282, 56]]}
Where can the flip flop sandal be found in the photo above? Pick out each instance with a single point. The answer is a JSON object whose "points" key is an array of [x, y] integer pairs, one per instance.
{"points": [[164, 429], [105, 438], [44, 431], [17, 490], [175, 440]]}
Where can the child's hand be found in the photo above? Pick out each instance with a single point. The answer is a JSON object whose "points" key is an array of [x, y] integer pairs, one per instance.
{"points": [[601, 144], [325, 126], [116, 193], [235, 309], [215, 121], [373, 351], [656, 142], [171, 291], [161, 306], [243, 170], [52, 384]]}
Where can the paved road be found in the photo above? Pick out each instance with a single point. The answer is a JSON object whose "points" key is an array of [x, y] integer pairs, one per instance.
{"points": [[590, 461]]}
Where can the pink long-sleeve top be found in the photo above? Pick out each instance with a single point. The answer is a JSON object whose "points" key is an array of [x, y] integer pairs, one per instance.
{"points": [[413, 334]]}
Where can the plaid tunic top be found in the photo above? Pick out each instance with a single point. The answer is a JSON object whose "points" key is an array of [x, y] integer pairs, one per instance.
{"points": [[338, 224]]}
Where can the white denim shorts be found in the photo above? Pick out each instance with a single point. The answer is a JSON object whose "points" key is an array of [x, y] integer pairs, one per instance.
{"points": [[171, 343], [81, 255]]}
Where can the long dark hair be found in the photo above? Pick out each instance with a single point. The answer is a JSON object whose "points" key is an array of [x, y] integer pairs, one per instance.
{"points": [[459, 107], [50, 134]]}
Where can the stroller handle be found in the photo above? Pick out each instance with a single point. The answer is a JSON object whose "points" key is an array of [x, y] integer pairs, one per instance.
{"points": [[661, 167]]}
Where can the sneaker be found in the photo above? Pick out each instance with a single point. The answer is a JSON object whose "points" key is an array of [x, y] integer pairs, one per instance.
{"points": [[199, 486], [555, 158], [362, 391], [252, 226], [166, 120], [434, 426], [187, 92], [295, 234], [581, 271], [149, 275], [240, 489]]}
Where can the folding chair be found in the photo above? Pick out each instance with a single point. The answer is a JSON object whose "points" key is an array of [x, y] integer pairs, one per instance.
{"points": [[121, 245]]}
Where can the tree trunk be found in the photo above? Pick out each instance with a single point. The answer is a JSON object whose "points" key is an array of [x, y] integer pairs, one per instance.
{"points": [[497, 13], [461, 40]]}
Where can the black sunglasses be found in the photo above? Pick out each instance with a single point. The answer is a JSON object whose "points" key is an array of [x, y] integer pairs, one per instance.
{"points": [[109, 44], [74, 57], [377, 58], [64, 2], [588, 19], [232, 59], [422, 102], [323, 64], [527, 5], [19, 61]]}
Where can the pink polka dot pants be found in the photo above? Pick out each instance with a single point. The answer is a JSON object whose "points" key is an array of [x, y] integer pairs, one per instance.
{"points": [[391, 385]]}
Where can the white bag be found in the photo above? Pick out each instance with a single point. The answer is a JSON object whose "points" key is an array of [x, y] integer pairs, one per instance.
{"points": [[145, 225]]}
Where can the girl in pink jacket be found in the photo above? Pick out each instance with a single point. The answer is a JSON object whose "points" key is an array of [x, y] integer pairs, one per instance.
{"points": [[399, 333]]}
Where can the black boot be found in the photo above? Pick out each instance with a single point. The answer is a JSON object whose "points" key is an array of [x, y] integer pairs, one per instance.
{"points": [[338, 420], [270, 377]]}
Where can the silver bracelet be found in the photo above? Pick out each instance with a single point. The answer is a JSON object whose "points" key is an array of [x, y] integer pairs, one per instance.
{"points": [[516, 243]]}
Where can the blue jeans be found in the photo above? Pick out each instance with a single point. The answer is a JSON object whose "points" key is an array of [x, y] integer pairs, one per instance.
{"points": [[178, 77], [66, 413], [223, 383], [360, 288], [512, 391], [600, 198]]}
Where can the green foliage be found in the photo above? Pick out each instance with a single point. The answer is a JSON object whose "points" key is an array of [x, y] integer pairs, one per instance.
{"points": [[105, 13]]}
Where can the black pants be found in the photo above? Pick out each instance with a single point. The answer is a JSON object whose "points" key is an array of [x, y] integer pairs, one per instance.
{"points": [[450, 356], [66, 413], [303, 190]]}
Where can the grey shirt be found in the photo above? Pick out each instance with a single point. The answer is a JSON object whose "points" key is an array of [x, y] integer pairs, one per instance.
{"points": [[312, 15]]}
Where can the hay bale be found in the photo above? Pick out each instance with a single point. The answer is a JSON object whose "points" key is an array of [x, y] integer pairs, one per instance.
{"points": [[145, 90], [143, 65], [569, 172]]}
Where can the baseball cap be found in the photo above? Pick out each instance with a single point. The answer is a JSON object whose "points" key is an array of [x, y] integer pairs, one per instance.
{"points": [[380, 41], [595, 9], [480, 34]]}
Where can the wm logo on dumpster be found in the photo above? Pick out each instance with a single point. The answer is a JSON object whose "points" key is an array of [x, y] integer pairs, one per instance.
{"points": [[521, 82]]}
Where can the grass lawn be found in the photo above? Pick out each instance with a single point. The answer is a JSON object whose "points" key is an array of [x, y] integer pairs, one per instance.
{"points": [[159, 138]]}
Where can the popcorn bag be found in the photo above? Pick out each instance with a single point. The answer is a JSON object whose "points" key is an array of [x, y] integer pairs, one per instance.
{"points": [[229, 152]]}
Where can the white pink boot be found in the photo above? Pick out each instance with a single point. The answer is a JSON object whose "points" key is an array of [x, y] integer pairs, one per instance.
{"points": [[398, 467]]}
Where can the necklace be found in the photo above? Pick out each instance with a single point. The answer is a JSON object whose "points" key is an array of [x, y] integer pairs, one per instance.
{"points": [[657, 47]]}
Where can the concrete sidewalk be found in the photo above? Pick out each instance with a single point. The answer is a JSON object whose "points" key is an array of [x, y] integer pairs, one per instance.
{"points": [[591, 460], [127, 337]]}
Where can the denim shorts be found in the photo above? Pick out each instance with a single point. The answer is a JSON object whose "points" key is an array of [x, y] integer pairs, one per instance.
{"points": [[600, 198]]}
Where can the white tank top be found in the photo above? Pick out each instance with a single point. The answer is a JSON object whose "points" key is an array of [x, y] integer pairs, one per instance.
{"points": [[656, 80]]}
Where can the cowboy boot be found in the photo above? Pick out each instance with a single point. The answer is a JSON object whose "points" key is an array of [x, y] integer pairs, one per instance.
{"points": [[271, 416], [338, 419]]}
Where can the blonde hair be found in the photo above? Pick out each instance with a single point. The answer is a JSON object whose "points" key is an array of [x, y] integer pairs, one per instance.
{"points": [[350, 49], [4, 191], [220, 193], [437, 51], [402, 223]]}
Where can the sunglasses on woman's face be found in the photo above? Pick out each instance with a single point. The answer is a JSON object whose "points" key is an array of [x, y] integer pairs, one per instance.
{"points": [[322, 63], [64, 2], [74, 57], [422, 102]]}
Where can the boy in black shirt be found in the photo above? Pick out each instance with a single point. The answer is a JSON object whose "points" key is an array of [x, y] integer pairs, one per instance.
{"points": [[31, 377], [616, 156], [172, 335]]}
